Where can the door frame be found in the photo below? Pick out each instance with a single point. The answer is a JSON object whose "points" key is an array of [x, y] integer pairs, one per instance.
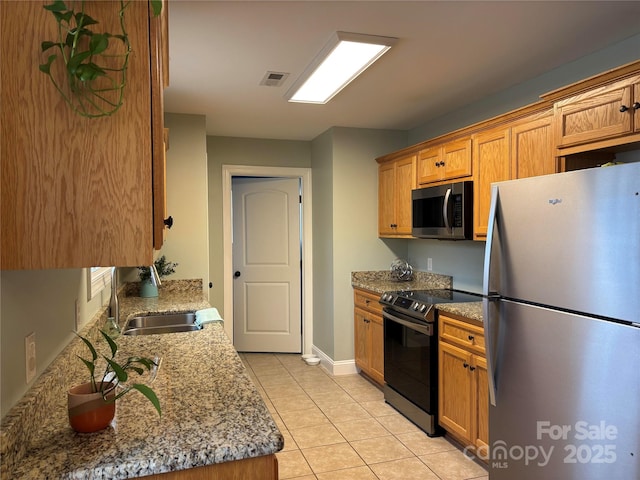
{"points": [[304, 174]]}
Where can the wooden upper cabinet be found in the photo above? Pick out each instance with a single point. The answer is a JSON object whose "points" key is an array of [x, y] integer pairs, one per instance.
{"points": [[532, 149], [396, 180], [600, 113], [491, 163], [159, 43], [76, 191], [443, 162]]}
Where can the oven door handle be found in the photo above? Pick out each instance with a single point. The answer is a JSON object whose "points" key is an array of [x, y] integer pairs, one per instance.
{"points": [[424, 329]]}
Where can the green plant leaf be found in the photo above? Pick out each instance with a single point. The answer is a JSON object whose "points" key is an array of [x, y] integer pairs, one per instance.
{"points": [[156, 6], [56, 6], [90, 365], [69, 40], [138, 370], [94, 354], [117, 369], [44, 46], [150, 394], [63, 16], [112, 344], [76, 61], [98, 43], [46, 67], [84, 19]]}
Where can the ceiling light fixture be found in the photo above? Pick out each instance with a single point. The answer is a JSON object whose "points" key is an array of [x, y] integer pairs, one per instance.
{"points": [[345, 57]]}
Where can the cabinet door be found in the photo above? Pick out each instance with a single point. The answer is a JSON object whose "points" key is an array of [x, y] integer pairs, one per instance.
{"points": [[456, 157], [455, 396], [429, 168], [481, 410], [362, 339], [491, 164], [636, 107], [405, 183], [76, 192], [462, 334], [159, 43], [532, 150], [596, 114], [386, 199], [377, 348]]}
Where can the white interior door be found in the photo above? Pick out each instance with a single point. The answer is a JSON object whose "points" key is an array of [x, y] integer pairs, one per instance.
{"points": [[267, 295]]}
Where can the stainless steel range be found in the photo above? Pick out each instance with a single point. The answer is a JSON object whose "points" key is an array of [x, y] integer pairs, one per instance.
{"points": [[411, 352]]}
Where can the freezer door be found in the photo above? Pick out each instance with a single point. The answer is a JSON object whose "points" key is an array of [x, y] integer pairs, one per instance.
{"points": [[567, 390], [570, 240]]}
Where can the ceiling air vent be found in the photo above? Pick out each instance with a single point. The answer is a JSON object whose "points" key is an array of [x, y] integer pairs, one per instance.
{"points": [[274, 79]]}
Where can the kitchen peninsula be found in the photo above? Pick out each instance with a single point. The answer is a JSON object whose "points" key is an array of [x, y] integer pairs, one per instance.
{"points": [[213, 418]]}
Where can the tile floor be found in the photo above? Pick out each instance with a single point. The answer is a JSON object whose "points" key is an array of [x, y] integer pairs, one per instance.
{"points": [[339, 428]]}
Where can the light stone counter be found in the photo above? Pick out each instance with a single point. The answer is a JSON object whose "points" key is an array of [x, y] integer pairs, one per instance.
{"points": [[379, 281], [211, 410]]}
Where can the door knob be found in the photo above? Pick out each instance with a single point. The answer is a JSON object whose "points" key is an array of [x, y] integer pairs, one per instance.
{"points": [[168, 222], [236, 274]]}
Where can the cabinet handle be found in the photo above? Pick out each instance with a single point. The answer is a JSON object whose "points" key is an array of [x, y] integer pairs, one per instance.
{"points": [[636, 105], [465, 364], [442, 164], [470, 337], [168, 221], [623, 108], [437, 164], [472, 368]]}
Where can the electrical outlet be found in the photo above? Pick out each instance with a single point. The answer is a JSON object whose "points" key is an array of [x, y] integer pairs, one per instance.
{"points": [[30, 356], [429, 264]]}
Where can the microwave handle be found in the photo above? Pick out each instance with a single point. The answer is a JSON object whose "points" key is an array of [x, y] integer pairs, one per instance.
{"points": [[445, 209]]}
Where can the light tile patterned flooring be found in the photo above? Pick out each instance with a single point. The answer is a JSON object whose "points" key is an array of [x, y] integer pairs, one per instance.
{"points": [[340, 428]]}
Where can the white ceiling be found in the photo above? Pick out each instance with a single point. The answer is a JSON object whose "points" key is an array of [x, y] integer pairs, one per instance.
{"points": [[449, 54]]}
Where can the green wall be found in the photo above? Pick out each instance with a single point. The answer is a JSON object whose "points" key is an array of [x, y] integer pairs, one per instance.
{"points": [[241, 151], [187, 242]]}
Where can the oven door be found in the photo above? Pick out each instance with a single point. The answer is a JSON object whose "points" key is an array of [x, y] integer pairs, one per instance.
{"points": [[411, 359]]}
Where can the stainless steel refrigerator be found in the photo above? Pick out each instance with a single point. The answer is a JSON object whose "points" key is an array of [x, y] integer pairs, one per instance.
{"points": [[562, 324]]}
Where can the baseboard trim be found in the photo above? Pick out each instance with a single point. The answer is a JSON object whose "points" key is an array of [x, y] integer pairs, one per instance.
{"points": [[340, 367]]}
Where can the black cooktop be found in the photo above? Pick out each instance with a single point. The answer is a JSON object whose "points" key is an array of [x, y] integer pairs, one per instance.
{"points": [[420, 303], [439, 296]]}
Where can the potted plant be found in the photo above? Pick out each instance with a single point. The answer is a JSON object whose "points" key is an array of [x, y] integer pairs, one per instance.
{"points": [[92, 405], [89, 66], [163, 267]]}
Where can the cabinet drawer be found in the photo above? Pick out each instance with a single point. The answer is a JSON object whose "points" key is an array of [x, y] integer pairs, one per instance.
{"points": [[461, 333], [367, 300]]}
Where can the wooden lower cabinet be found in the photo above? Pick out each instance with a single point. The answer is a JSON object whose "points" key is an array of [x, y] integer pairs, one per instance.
{"points": [[463, 399], [369, 334], [257, 468]]}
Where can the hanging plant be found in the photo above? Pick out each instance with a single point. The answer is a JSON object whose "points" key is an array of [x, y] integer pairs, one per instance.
{"points": [[89, 67]]}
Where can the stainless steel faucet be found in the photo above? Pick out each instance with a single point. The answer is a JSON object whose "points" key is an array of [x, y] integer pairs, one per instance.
{"points": [[114, 308]]}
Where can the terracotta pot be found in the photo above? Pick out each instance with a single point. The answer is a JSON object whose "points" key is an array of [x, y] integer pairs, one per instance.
{"points": [[89, 412]]}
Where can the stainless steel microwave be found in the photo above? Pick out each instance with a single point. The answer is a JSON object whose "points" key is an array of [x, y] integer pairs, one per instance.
{"points": [[443, 212]]}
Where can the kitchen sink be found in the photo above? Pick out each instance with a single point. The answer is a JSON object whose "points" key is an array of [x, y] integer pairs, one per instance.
{"points": [[157, 324]]}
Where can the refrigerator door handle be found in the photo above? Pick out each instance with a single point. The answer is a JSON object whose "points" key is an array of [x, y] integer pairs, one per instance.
{"points": [[488, 307], [445, 209]]}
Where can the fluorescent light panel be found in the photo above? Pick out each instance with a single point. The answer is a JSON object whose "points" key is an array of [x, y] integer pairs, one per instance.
{"points": [[345, 57]]}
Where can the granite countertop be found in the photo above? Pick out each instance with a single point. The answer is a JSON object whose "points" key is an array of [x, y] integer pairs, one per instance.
{"points": [[380, 281], [211, 410]]}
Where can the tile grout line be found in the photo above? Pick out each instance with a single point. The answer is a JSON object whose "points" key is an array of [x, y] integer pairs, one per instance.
{"points": [[294, 373]]}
